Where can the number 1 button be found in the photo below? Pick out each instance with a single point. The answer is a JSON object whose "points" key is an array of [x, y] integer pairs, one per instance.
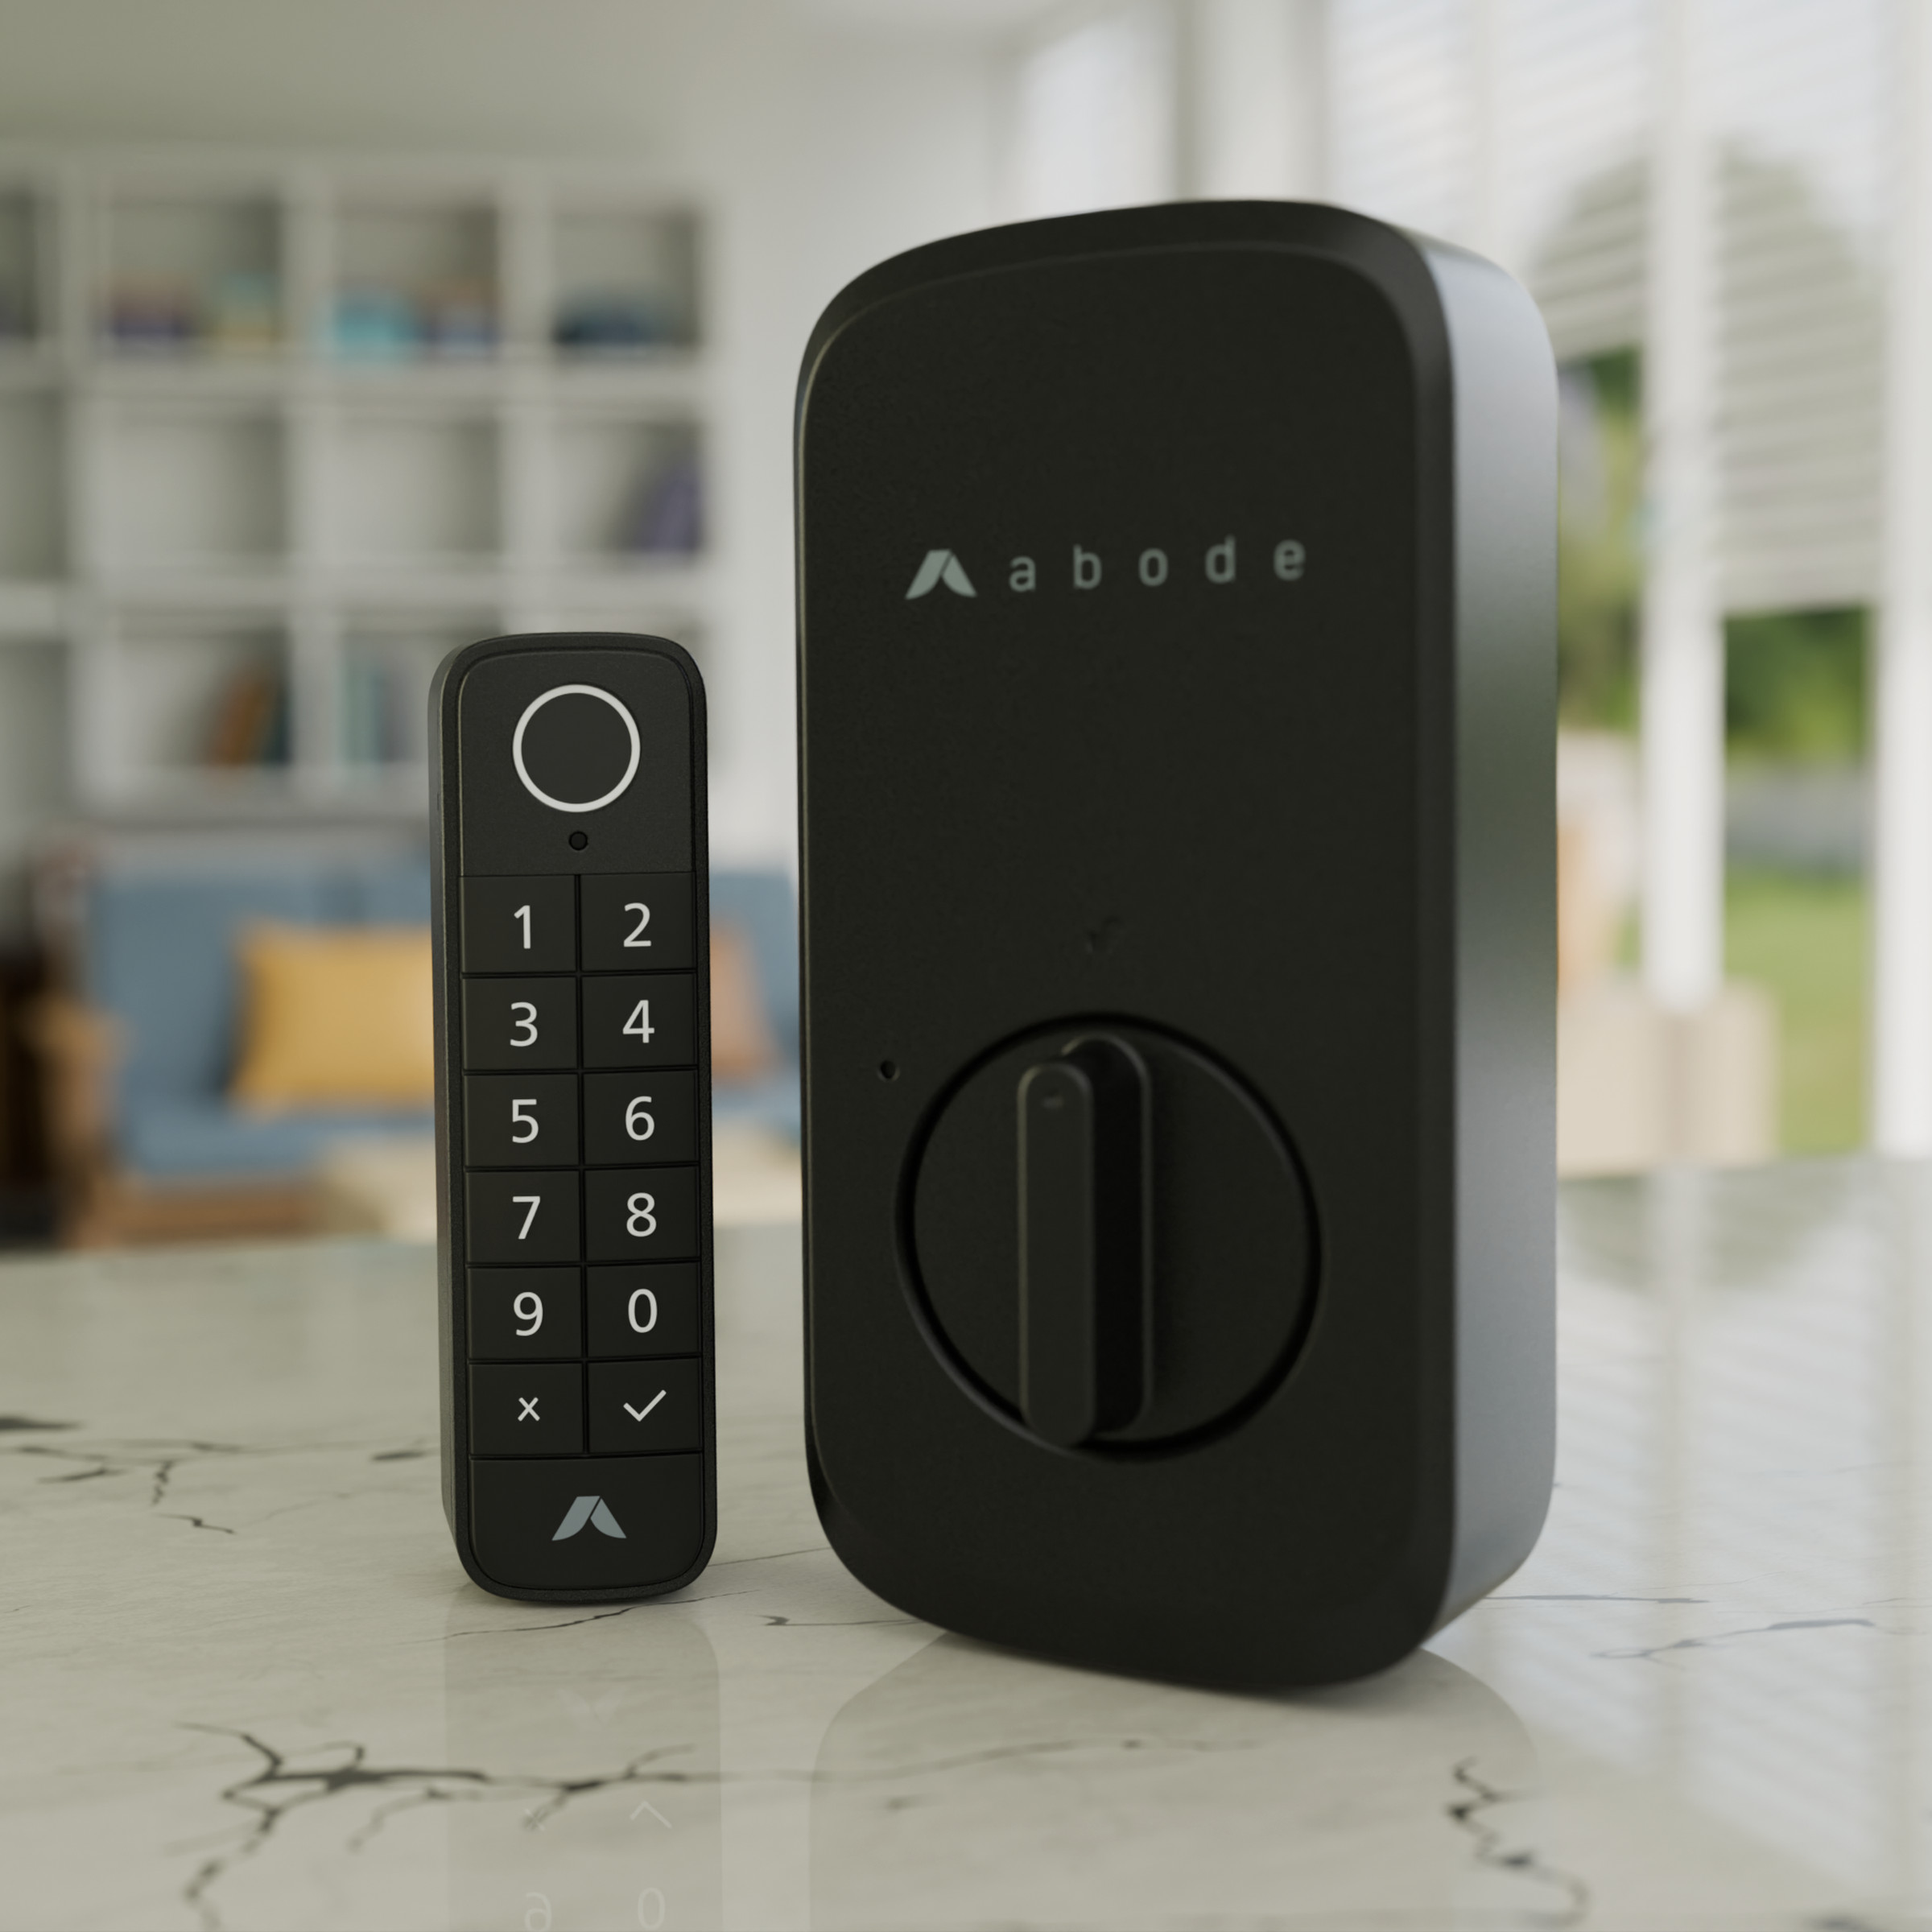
{"points": [[519, 925]]}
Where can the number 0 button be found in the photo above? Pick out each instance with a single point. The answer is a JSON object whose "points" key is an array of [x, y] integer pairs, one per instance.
{"points": [[531, 1218], [640, 1023], [646, 1214]]}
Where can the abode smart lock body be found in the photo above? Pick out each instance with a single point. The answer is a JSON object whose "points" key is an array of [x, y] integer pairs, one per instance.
{"points": [[1177, 670], [573, 1115]]}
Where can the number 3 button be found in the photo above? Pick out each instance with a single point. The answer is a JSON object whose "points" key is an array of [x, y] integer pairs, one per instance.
{"points": [[643, 1214]]}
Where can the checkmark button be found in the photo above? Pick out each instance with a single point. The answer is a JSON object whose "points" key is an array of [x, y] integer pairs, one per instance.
{"points": [[646, 1408]]}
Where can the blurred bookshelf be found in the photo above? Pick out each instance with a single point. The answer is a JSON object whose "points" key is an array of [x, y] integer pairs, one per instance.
{"points": [[274, 436]]}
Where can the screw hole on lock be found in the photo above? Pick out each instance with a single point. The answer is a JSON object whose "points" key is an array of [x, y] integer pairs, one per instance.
{"points": [[579, 840], [888, 1069]]}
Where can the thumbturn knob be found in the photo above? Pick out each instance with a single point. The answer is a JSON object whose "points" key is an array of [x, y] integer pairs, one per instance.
{"points": [[1085, 1245], [1111, 1237]]}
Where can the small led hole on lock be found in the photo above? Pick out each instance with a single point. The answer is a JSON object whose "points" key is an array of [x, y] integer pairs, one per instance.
{"points": [[888, 1069], [579, 840]]}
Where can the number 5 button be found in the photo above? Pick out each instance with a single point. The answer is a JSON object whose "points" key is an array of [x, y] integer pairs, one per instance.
{"points": [[636, 1021], [639, 1116], [515, 1120]]}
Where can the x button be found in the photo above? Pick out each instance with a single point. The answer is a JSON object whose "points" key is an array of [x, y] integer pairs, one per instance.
{"points": [[531, 1409]]}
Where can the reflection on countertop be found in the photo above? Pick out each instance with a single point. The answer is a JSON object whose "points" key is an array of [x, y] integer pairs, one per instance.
{"points": [[244, 1684]]}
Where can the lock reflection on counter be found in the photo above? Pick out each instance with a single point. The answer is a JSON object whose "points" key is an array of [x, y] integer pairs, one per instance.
{"points": [[969, 1787], [593, 1743]]}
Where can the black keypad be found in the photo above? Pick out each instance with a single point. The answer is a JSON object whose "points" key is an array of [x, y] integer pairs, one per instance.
{"points": [[519, 1411], [516, 1120], [520, 1024], [522, 1219], [525, 1315], [641, 1214], [640, 1022], [519, 925], [644, 1311], [639, 922], [644, 1408], [577, 1192], [642, 1117]]}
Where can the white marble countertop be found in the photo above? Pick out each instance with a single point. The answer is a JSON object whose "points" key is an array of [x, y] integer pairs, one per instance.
{"points": [[244, 1684]]}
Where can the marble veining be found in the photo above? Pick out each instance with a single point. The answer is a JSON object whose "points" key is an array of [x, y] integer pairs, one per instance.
{"points": [[243, 1683]]}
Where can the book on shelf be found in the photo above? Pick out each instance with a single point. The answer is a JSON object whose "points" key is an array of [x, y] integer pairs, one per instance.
{"points": [[249, 723]]}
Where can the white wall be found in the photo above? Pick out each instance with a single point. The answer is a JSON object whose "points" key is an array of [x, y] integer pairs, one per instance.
{"points": [[823, 137]]}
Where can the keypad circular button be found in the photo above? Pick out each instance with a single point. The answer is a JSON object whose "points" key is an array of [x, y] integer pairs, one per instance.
{"points": [[575, 747]]}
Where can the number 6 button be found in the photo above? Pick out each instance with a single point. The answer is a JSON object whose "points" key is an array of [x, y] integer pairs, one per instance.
{"points": [[646, 1214], [640, 1116]]}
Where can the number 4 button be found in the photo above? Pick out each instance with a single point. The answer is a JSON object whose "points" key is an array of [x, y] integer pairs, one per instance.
{"points": [[639, 1022]]}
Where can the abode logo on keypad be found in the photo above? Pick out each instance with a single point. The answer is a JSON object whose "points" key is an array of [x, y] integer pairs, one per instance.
{"points": [[1221, 562]]}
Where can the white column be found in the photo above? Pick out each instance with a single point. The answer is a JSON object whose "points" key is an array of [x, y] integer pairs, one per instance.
{"points": [[1254, 126], [1683, 656], [1486, 217], [1901, 872]]}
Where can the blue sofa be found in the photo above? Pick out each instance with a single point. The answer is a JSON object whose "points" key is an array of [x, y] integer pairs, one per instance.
{"points": [[157, 956]]}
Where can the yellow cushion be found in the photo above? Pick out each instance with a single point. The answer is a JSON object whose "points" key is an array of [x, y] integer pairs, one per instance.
{"points": [[335, 1017]]}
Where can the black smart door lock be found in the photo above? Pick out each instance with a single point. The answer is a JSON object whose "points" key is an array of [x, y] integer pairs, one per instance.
{"points": [[573, 1115], [1177, 681]]}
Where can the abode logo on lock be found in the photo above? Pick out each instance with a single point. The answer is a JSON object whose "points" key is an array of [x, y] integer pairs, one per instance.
{"points": [[1220, 563]]}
